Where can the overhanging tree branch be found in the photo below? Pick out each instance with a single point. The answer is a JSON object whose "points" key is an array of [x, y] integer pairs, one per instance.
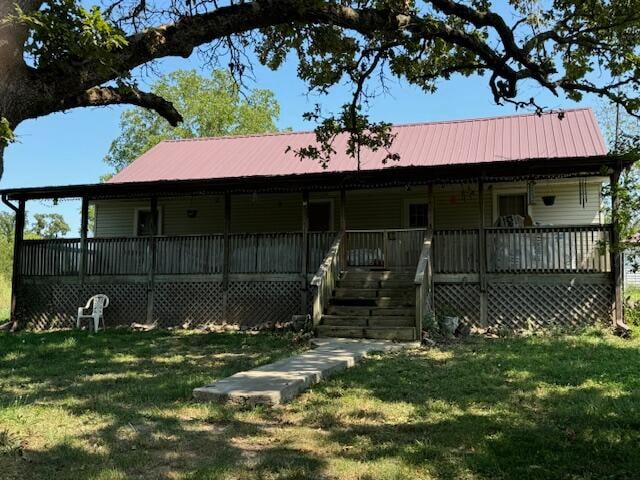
{"points": [[102, 96]]}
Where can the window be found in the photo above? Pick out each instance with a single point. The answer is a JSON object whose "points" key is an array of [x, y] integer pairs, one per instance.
{"points": [[514, 204], [418, 215], [143, 224], [320, 216]]}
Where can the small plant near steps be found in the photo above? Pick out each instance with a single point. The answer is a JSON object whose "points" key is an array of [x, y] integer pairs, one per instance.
{"points": [[371, 304]]}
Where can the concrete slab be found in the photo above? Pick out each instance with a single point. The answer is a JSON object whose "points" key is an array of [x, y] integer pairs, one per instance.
{"points": [[281, 381]]}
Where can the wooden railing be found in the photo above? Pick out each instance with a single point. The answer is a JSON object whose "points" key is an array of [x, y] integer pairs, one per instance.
{"points": [[118, 256], [424, 282], [319, 245], [557, 249], [175, 255], [198, 254], [390, 249], [456, 250], [50, 257], [324, 281], [549, 249], [552, 249], [266, 252]]}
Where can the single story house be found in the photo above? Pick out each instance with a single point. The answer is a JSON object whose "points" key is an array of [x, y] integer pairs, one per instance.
{"points": [[498, 221]]}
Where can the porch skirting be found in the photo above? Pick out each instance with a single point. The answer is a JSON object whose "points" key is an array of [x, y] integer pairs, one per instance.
{"points": [[193, 301], [520, 301]]}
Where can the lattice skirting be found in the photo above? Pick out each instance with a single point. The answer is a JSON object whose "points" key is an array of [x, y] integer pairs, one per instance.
{"points": [[516, 306], [48, 306], [45, 304], [463, 299], [251, 303], [127, 302], [188, 304]]}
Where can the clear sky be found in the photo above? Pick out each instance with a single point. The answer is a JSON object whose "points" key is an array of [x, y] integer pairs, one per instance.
{"points": [[68, 148]]}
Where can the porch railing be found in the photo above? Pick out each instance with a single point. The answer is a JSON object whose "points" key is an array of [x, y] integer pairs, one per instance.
{"points": [[324, 281], [50, 257], [389, 249], [456, 250], [549, 249], [191, 254], [424, 282]]}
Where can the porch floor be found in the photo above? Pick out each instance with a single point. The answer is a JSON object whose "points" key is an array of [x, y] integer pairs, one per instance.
{"points": [[281, 381]]}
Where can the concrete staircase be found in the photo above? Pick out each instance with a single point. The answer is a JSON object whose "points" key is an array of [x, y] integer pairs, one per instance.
{"points": [[371, 304]]}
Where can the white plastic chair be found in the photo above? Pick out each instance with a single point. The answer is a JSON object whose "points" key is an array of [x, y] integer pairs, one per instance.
{"points": [[100, 302]]}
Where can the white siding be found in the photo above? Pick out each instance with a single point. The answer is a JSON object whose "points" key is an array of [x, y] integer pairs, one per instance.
{"points": [[454, 206]]}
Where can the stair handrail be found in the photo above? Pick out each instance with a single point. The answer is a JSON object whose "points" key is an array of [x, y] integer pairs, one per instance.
{"points": [[424, 282], [324, 281]]}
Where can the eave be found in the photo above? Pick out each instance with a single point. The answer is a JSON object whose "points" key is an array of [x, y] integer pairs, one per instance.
{"points": [[388, 177]]}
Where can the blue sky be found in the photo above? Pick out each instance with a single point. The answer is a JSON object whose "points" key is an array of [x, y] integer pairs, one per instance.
{"points": [[68, 148]]}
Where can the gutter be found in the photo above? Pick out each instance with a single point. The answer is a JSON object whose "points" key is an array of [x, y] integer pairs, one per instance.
{"points": [[9, 204]]}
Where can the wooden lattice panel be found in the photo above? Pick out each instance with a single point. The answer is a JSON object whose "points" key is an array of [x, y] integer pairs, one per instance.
{"points": [[522, 305], [188, 304], [45, 306], [462, 299], [252, 303], [127, 302]]}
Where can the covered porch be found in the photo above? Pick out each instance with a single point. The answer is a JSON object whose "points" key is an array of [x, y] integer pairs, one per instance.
{"points": [[201, 270]]}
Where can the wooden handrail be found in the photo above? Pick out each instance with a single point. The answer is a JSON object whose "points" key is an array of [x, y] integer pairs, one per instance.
{"points": [[425, 256], [590, 227], [324, 280], [316, 281], [424, 283], [383, 230]]}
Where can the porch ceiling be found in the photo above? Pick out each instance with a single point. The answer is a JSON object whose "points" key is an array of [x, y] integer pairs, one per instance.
{"points": [[389, 177]]}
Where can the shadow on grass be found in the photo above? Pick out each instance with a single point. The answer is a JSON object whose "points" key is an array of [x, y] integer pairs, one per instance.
{"points": [[118, 405], [125, 399], [517, 408]]}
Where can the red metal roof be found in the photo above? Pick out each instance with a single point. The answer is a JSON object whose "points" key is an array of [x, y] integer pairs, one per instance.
{"points": [[498, 139]]}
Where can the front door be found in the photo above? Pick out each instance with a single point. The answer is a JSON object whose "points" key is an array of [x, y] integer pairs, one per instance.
{"points": [[320, 216]]}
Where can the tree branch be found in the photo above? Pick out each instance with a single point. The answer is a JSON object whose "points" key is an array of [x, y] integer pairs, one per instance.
{"points": [[102, 96], [181, 37]]}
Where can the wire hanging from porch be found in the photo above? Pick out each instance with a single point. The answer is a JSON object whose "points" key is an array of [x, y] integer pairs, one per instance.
{"points": [[582, 192]]}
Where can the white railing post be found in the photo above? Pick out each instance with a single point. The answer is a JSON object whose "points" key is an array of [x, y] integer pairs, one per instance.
{"points": [[423, 281]]}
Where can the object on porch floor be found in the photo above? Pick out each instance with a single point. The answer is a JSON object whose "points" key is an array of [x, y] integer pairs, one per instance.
{"points": [[281, 381], [99, 303]]}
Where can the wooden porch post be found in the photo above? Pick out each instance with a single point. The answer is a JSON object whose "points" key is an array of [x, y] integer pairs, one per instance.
{"points": [[343, 228], [430, 207], [305, 251], [17, 260], [84, 222], [226, 255], [616, 254], [482, 257], [153, 207], [343, 210]]}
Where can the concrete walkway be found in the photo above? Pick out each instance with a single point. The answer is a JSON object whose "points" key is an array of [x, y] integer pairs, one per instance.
{"points": [[281, 381]]}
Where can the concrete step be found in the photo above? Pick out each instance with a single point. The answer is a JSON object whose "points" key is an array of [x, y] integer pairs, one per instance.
{"points": [[387, 333], [386, 302], [368, 310], [367, 321]]}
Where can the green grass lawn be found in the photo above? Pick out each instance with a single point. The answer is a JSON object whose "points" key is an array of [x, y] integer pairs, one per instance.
{"points": [[117, 406]]}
